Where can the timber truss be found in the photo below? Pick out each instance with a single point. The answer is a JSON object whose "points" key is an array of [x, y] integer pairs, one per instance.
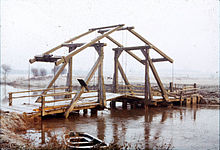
{"points": [[105, 32]]}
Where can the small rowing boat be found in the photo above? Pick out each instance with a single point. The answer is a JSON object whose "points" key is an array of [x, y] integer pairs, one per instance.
{"points": [[82, 140]]}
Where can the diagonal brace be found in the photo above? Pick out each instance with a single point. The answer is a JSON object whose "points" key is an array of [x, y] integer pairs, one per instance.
{"points": [[79, 93]]}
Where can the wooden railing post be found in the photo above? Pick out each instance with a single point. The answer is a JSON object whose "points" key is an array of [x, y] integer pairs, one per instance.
{"points": [[42, 105], [10, 99]]}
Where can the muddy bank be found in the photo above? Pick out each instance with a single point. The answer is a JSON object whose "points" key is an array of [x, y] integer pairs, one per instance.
{"points": [[13, 127]]}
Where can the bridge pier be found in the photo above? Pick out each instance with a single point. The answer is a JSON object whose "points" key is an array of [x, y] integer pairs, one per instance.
{"points": [[94, 112], [124, 104]]}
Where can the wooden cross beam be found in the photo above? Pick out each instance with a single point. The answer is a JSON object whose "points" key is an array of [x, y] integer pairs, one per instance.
{"points": [[87, 45], [59, 46], [126, 28], [151, 45]]}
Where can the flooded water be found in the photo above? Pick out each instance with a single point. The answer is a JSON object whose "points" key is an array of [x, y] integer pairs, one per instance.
{"points": [[194, 127], [181, 127]]}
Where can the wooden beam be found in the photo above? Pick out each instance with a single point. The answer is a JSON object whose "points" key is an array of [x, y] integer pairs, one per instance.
{"points": [[80, 92], [158, 59], [59, 46], [113, 26], [125, 28], [87, 45], [75, 45], [101, 86], [151, 45], [120, 45], [52, 81], [132, 48], [163, 91], [115, 78], [147, 93]]}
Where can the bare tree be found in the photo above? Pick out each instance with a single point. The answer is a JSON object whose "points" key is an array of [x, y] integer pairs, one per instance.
{"points": [[43, 72], [6, 69], [34, 71]]}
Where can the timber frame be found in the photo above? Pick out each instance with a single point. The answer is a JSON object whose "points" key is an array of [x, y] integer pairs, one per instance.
{"points": [[75, 48]]}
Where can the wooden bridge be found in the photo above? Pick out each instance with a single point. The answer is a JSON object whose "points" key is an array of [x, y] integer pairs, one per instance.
{"points": [[84, 98]]}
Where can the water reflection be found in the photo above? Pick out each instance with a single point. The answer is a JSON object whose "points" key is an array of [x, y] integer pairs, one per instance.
{"points": [[152, 127]]}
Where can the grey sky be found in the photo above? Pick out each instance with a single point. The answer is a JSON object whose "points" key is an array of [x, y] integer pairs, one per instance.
{"points": [[186, 30]]}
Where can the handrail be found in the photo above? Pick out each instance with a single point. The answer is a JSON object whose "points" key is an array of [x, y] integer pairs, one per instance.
{"points": [[39, 90]]}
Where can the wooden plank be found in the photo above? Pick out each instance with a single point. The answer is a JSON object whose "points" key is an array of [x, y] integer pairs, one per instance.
{"points": [[59, 46], [151, 45], [52, 81], [87, 45], [79, 93]]}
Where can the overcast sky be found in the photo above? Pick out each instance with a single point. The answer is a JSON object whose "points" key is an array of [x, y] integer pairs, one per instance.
{"points": [[186, 30]]}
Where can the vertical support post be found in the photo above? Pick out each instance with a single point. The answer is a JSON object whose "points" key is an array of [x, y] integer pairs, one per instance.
{"points": [[115, 78], [194, 85], [147, 93], [85, 111], [10, 99], [171, 86], [42, 105], [124, 104], [42, 133], [113, 104], [101, 86], [69, 75]]}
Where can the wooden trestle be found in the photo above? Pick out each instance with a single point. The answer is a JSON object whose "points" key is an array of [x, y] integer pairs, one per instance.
{"points": [[100, 103]]}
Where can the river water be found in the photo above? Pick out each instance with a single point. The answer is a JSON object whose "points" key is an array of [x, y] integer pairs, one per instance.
{"points": [[193, 127], [178, 128]]}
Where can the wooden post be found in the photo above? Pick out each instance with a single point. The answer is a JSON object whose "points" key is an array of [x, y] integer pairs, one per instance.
{"points": [[70, 75], [42, 105], [115, 78], [171, 86], [101, 86], [42, 133], [194, 85], [85, 111], [124, 104], [147, 93], [10, 99], [113, 104], [93, 111]]}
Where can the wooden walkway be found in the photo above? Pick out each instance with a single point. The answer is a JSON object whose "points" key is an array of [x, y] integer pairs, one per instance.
{"points": [[55, 103]]}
